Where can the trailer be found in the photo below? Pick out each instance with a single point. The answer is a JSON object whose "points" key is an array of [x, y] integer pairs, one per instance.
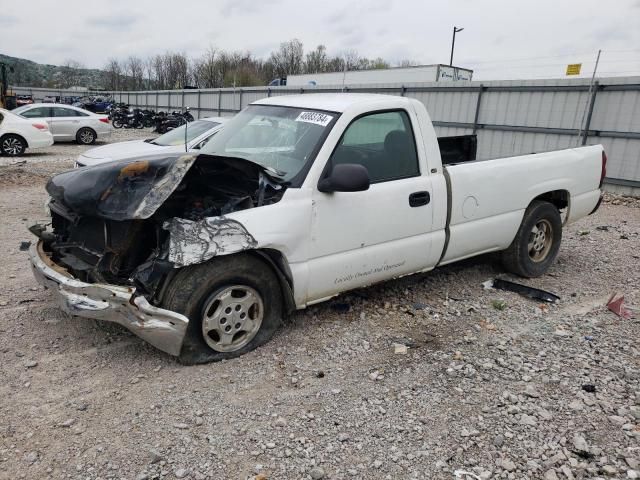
{"points": [[421, 73]]}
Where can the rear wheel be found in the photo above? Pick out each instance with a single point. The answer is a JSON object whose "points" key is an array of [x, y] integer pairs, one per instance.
{"points": [[86, 136], [234, 305], [537, 242], [12, 145]]}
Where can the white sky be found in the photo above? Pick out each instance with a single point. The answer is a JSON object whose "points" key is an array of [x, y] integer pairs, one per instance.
{"points": [[502, 39]]}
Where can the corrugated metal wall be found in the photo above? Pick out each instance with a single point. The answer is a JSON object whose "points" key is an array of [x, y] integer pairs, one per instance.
{"points": [[509, 117]]}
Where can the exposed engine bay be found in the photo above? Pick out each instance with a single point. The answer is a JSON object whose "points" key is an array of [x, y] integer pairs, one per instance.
{"points": [[112, 223]]}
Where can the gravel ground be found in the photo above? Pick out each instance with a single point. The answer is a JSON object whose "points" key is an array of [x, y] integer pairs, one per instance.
{"points": [[491, 383]]}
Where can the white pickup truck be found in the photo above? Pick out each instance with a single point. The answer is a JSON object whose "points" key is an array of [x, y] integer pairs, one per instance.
{"points": [[297, 199]]}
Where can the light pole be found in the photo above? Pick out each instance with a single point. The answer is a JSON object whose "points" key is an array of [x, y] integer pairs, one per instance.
{"points": [[453, 43]]}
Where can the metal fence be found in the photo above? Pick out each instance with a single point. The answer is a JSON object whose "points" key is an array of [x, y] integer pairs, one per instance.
{"points": [[509, 117]]}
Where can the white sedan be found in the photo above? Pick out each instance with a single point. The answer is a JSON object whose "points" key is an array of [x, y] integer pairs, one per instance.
{"points": [[17, 134], [67, 123], [197, 133]]}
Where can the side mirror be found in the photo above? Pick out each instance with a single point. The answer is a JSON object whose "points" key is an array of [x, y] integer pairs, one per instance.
{"points": [[346, 177]]}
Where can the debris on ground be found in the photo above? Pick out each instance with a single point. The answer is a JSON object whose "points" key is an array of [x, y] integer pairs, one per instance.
{"points": [[499, 304], [400, 349], [616, 305], [524, 290]]}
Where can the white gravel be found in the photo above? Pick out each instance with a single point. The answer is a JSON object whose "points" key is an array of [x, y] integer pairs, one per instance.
{"points": [[504, 394]]}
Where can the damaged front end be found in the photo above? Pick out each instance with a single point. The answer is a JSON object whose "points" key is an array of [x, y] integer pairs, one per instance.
{"points": [[120, 230]]}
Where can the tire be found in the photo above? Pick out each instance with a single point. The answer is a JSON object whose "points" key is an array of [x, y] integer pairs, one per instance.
{"points": [[537, 242], [86, 136], [209, 292], [12, 145], [116, 123]]}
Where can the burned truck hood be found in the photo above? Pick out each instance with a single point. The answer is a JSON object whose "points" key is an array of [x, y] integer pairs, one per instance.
{"points": [[135, 188]]}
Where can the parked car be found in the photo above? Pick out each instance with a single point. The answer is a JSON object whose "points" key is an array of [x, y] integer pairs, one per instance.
{"points": [[24, 100], [297, 199], [68, 123], [17, 134], [95, 104], [198, 133], [51, 99]]}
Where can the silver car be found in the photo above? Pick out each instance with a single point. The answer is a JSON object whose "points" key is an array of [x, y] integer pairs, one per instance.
{"points": [[67, 123]]}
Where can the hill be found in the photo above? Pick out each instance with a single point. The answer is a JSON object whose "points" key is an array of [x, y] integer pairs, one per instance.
{"points": [[29, 73]]}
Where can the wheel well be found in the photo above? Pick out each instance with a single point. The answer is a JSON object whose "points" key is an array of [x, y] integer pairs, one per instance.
{"points": [[86, 128], [277, 262], [16, 135], [559, 198]]}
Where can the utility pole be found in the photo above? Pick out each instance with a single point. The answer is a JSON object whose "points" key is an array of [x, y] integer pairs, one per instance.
{"points": [[453, 43]]}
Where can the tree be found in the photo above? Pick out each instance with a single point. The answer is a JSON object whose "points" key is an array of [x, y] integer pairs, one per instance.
{"points": [[288, 59], [316, 60], [134, 69], [113, 74], [69, 74]]}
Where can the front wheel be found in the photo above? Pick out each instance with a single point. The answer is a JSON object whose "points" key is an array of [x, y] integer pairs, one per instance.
{"points": [[117, 123], [537, 242], [234, 305]]}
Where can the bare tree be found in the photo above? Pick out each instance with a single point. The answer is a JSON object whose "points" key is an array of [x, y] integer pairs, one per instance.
{"points": [[316, 61], [407, 63], [70, 75], [113, 74], [288, 59], [134, 68]]}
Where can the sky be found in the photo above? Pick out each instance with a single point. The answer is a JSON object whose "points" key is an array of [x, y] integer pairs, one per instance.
{"points": [[502, 39]]}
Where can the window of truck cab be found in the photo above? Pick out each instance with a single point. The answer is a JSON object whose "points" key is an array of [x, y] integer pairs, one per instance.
{"points": [[383, 142]]}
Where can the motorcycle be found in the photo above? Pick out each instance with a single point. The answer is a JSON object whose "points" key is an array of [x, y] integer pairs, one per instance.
{"points": [[133, 118], [165, 123]]}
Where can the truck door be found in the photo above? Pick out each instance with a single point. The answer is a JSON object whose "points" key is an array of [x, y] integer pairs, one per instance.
{"points": [[359, 238], [64, 123]]}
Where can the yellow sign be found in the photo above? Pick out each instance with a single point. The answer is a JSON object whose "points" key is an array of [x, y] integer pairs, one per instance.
{"points": [[574, 68]]}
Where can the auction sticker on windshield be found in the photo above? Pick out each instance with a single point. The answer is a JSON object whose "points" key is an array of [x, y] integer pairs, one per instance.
{"points": [[318, 118]]}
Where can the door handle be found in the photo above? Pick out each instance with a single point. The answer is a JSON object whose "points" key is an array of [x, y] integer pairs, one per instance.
{"points": [[418, 199]]}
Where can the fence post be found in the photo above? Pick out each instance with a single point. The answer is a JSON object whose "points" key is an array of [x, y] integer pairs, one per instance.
{"points": [[240, 100], [219, 101], [403, 91], [592, 102], [268, 92], [477, 114], [199, 104], [157, 100], [182, 99]]}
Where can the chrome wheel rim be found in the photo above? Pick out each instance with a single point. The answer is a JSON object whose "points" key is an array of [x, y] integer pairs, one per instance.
{"points": [[540, 240], [12, 146], [231, 318], [86, 136]]}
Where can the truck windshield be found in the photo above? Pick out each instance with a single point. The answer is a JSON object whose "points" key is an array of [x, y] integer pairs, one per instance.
{"points": [[282, 139]]}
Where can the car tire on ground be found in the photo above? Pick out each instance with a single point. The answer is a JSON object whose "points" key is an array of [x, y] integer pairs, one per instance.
{"points": [[234, 305], [537, 242], [12, 145], [86, 136]]}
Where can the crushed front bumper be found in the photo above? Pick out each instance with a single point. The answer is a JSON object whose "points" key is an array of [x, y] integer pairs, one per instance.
{"points": [[161, 328]]}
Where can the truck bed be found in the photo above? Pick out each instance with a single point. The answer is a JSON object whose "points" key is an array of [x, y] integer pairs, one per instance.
{"points": [[489, 197]]}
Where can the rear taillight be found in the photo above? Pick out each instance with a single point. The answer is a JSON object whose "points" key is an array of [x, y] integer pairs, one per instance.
{"points": [[40, 126], [604, 169], [104, 119]]}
